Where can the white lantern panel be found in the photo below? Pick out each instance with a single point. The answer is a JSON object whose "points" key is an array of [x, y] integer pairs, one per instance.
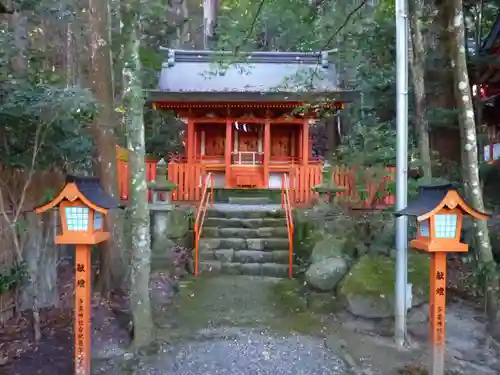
{"points": [[424, 228], [446, 225], [97, 221], [77, 218]]}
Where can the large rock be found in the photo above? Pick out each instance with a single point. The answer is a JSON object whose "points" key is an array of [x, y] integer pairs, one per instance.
{"points": [[326, 274], [331, 246], [368, 288]]}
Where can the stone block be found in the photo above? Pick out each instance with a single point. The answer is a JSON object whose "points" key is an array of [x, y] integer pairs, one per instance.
{"points": [[274, 270], [224, 255], [254, 269], [230, 268]]}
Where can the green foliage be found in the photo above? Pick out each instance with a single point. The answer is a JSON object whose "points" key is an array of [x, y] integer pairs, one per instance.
{"points": [[490, 177], [14, 277], [163, 133], [46, 120], [368, 146]]}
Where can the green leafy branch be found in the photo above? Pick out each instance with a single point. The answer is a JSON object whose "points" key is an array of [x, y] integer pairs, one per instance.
{"points": [[12, 278]]}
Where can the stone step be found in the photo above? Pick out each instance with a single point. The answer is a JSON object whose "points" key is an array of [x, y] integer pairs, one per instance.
{"points": [[264, 232], [261, 244], [245, 256], [254, 269], [245, 211], [236, 222], [249, 200]]}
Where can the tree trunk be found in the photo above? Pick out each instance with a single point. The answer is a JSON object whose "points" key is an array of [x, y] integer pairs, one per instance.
{"points": [[111, 272], [133, 101], [417, 65], [41, 255], [470, 168], [19, 24]]}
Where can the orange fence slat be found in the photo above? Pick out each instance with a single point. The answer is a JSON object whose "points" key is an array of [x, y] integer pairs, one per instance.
{"points": [[190, 185]]}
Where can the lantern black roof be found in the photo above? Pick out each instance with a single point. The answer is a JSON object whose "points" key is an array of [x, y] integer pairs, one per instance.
{"points": [[90, 187], [255, 76], [429, 197]]}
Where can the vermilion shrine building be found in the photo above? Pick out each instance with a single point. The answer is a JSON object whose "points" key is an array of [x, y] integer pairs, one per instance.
{"points": [[241, 117]]}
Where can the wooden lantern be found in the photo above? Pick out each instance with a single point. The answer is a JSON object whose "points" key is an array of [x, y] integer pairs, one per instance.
{"points": [[83, 206], [439, 211]]}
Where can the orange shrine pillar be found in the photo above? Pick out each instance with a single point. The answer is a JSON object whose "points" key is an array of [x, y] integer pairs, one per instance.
{"points": [[228, 151], [267, 151], [305, 142], [190, 141]]}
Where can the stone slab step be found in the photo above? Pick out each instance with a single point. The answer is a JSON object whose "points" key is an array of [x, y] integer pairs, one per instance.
{"points": [[262, 244], [254, 269], [245, 256], [245, 211], [249, 200], [265, 232], [236, 222]]}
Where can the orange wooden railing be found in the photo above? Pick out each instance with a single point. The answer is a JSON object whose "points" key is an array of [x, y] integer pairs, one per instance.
{"points": [[124, 177], [190, 177], [206, 198], [303, 178], [286, 205], [377, 194]]}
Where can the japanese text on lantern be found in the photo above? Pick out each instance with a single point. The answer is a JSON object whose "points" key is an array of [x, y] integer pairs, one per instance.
{"points": [[440, 301], [80, 344]]}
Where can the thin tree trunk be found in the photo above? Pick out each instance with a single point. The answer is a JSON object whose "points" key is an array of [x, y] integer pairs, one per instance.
{"points": [[470, 168], [417, 65], [71, 66], [111, 272], [20, 27], [133, 101]]}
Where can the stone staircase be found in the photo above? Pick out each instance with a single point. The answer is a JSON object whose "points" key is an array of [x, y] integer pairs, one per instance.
{"points": [[244, 239]]}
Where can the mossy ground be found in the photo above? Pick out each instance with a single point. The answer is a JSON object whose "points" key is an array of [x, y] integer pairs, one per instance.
{"points": [[238, 301], [376, 275]]}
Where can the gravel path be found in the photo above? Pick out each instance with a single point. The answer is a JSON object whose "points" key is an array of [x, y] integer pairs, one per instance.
{"points": [[249, 353]]}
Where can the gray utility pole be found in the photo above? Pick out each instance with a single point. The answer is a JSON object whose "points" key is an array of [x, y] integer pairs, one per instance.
{"points": [[401, 170]]}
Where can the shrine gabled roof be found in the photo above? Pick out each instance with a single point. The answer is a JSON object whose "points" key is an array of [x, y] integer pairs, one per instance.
{"points": [[252, 76]]}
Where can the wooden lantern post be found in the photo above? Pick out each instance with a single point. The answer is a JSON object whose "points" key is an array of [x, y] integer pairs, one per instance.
{"points": [[83, 206], [439, 210]]}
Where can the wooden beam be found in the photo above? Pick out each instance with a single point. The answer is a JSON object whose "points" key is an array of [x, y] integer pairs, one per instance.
{"points": [[267, 151], [228, 150], [305, 142], [190, 141], [283, 120]]}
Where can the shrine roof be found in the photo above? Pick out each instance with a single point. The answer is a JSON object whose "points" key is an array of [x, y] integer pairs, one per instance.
{"points": [[90, 187], [251, 76]]}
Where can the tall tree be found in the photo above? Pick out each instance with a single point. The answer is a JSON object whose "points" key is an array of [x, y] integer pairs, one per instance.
{"points": [[470, 166], [417, 65], [133, 101], [111, 274]]}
